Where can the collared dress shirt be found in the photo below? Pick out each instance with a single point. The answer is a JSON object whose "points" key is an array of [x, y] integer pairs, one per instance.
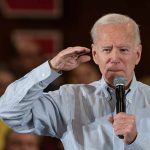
{"points": [[76, 114]]}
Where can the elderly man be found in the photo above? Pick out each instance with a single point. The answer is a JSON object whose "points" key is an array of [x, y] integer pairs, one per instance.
{"points": [[84, 116]]}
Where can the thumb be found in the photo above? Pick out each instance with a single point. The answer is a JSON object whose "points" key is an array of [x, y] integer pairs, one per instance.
{"points": [[110, 119]]}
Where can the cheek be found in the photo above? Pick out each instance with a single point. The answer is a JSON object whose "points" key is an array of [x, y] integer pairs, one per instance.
{"points": [[102, 59], [102, 63], [130, 65], [133, 61]]}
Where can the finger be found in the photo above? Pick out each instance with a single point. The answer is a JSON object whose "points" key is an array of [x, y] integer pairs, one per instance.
{"points": [[120, 127], [124, 119], [125, 128], [81, 48], [110, 119], [126, 131], [123, 125], [119, 132], [120, 115], [84, 58], [78, 50]]}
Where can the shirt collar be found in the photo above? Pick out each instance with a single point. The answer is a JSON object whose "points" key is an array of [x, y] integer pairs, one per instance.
{"points": [[132, 88], [129, 92], [104, 87]]}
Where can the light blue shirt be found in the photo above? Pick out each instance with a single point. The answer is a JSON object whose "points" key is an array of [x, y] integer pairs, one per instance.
{"points": [[77, 114]]}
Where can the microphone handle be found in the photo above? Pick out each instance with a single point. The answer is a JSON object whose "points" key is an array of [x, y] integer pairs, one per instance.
{"points": [[120, 104], [120, 97]]}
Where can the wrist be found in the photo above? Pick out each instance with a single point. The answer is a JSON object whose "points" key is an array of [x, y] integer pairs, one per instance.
{"points": [[130, 142], [52, 66]]}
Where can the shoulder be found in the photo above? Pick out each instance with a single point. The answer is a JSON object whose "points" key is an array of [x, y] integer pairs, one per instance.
{"points": [[80, 87], [93, 85], [144, 88]]}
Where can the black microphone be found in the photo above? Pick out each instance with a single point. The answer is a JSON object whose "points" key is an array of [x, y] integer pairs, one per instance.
{"points": [[119, 83]]}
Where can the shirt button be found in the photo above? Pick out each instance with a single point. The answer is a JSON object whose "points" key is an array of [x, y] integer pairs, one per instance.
{"points": [[43, 74]]}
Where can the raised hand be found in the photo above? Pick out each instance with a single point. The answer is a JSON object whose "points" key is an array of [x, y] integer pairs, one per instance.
{"points": [[70, 58]]}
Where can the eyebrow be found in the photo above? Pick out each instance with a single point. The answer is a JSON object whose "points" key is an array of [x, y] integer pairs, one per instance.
{"points": [[126, 46], [111, 46]]}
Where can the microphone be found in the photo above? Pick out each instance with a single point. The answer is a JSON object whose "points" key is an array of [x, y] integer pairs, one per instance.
{"points": [[119, 83]]}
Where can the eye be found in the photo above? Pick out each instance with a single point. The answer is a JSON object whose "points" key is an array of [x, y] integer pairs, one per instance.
{"points": [[124, 49], [107, 50]]}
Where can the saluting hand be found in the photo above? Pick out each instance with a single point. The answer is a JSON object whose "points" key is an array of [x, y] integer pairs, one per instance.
{"points": [[70, 58]]}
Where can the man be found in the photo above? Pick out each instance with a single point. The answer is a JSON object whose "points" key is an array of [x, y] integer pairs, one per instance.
{"points": [[84, 116], [16, 141]]}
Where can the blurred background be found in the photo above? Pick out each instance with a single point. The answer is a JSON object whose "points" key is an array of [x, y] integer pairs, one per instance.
{"points": [[32, 31]]}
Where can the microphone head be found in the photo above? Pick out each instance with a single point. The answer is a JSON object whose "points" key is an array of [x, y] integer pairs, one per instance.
{"points": [[119, 80]]}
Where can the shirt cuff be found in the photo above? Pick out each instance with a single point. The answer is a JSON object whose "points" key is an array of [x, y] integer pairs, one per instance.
{"points": [[141, 142]]}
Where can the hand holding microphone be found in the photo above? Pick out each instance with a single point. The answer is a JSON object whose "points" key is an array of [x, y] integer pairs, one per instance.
{"points": [[124, 124]]}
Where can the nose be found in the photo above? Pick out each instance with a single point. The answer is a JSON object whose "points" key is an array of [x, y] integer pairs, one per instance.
{"points": [[115, 56]]}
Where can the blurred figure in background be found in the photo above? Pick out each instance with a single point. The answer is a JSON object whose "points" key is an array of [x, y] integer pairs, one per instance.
{"points": [[83, 74], [6, 77], [16, 141], [28, 55]]}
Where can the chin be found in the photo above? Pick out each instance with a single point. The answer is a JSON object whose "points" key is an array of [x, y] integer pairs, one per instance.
{"points": [[113, 74]]}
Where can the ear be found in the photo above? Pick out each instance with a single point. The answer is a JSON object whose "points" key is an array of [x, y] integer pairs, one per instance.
{"points": [[138, 53], [94, 53]]}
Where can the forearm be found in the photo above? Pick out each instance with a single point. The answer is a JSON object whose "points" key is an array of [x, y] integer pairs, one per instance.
{"points": [[20, 95]]}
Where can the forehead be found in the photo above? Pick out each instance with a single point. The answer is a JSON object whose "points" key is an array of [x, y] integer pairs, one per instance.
{"points": [[115, 32]]}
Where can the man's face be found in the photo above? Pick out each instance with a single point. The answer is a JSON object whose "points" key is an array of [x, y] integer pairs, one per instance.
{"points": [[22, 142], [115, 51]]}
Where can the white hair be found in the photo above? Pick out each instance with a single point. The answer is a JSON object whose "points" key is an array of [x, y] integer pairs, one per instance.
{"points": [[116, 19]]}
